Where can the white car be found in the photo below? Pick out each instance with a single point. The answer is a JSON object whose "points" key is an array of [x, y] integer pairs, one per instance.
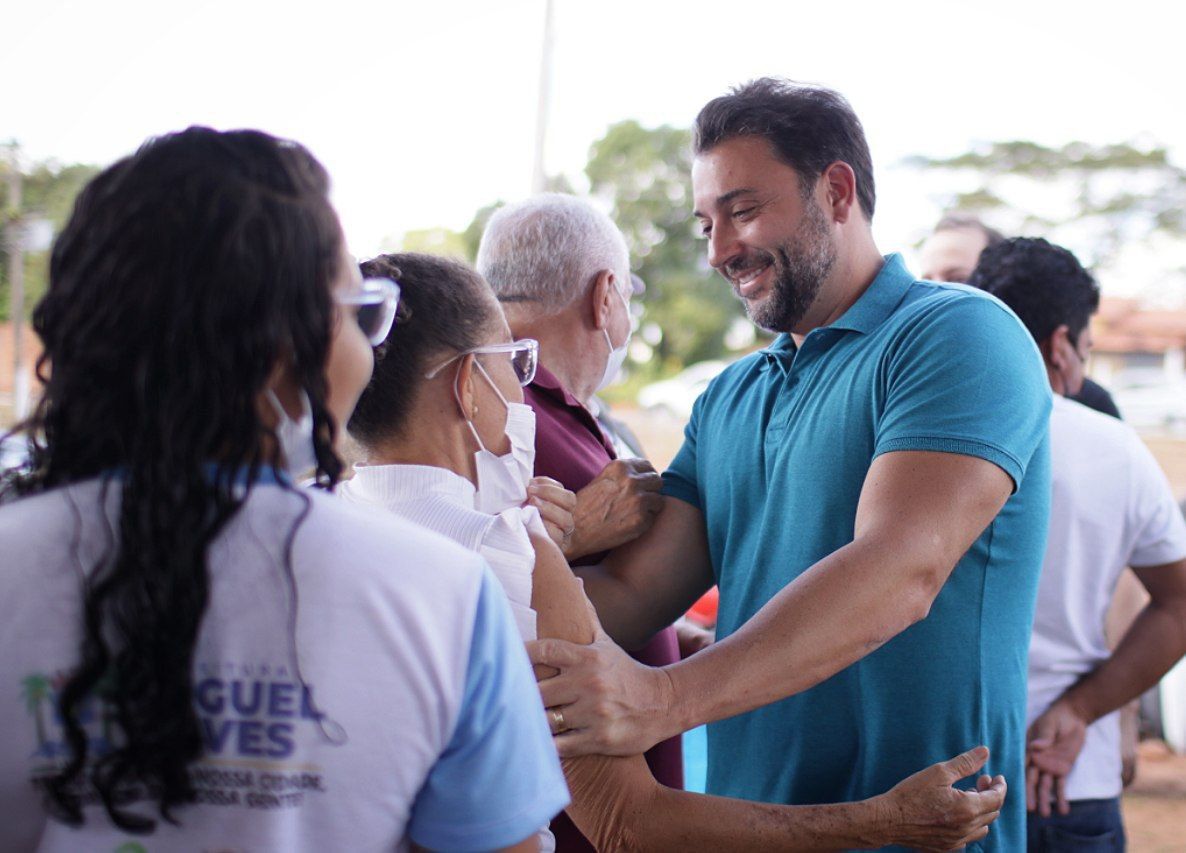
{"points": [[1153, 404], [677, 394]]}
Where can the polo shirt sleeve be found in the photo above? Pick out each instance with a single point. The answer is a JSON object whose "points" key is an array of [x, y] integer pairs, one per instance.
{"points": [[966, 378], [680, 480], [1160, 532], [499, 780]]}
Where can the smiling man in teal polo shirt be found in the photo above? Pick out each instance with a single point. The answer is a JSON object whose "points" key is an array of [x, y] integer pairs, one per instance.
{"points": [[870, 493]]}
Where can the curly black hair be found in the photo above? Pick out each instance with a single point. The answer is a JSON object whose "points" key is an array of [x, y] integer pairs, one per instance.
{"points": [[187, 272], [1044, 284]]}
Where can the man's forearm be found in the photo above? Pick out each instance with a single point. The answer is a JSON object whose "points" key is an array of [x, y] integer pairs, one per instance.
{"points": [[1154, 643], [838, 611]]}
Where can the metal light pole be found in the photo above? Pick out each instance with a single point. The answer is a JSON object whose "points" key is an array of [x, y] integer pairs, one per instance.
{"points": [[539, 178], [15, 234]]}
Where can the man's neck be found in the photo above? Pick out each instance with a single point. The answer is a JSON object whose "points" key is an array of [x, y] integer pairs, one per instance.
{"points": [[569, 363], [848, 281]]}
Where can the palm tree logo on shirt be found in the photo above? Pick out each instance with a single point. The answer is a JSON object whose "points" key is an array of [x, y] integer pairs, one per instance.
{"points": [[36, 691], [40, 694]]}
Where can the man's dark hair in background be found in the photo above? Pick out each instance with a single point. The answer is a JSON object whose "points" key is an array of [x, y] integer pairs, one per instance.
{"points": [[1044, 285], [951, 253]]}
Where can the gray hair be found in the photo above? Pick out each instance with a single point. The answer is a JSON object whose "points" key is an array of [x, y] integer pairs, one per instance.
{"points": [[547, 249]]}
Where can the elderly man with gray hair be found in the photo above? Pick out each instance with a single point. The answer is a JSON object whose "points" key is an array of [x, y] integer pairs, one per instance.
{"points": [[561, 270]]}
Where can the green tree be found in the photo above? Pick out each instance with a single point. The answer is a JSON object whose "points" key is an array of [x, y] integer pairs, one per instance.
{"points": [[436, 241], [1115, 194], [48, 192], [647, 174]]}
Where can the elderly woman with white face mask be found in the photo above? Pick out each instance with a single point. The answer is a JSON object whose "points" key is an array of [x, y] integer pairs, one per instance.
{"points": [[448, 444]]}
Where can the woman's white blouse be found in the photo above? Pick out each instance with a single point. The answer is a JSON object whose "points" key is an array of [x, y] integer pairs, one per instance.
{"points": [[444, 502]]}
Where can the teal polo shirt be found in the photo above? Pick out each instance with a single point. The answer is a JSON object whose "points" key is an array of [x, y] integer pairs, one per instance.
{"points": [[775, 456]]}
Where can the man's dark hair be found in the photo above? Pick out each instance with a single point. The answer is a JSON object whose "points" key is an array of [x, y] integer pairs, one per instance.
{"points": [[1044, 284], [445, 307], [967, 222], [809, 128]]}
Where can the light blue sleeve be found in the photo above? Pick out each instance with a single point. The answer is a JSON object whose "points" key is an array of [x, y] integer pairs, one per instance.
{"points": [[967, 378], [499, 780]]}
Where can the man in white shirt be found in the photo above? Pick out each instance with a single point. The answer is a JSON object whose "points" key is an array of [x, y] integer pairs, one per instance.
{"points": [[1111, 507]]}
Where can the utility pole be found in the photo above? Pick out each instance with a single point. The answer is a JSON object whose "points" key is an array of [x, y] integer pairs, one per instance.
{"points": [[539, 178], [15, 233]]}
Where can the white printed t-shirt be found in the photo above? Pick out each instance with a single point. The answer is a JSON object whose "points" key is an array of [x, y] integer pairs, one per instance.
{"points": [[1111, 507], [404, 639]]}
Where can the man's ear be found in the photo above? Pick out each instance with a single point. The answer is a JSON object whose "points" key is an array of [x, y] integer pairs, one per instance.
{"points": [[600, 293], [1057, 348], [840, 185], [466, 373]]}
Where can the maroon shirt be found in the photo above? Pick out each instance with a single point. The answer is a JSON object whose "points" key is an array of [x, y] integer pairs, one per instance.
{"points": [[571, 448]]}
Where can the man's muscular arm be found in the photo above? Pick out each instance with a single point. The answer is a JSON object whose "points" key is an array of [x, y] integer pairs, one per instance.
{"points": [[647, 584], [618, 805], [919, 512]]}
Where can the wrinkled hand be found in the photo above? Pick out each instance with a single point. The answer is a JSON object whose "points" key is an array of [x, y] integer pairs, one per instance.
{"points": [[926, 812], [601, 701], [555, 504], [618, 506], [1054, 742]]}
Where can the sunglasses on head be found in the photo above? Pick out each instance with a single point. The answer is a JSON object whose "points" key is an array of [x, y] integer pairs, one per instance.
{"points": [[376, 300]]}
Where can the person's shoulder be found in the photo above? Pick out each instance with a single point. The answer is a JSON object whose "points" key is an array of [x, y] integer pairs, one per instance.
{"points": [[371, 539], [740, 372], [956, 315], [1082, 417], [953, 301], [44, 514]]}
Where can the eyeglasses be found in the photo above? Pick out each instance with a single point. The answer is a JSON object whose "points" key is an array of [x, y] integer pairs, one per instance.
{"points": [[524, 355], [376, 300]]}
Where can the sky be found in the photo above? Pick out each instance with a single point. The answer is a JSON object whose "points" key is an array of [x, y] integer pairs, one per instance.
{"points": [[424, 112]]}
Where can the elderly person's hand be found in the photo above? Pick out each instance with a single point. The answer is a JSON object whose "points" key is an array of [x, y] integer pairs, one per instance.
{"points": [[555, 504], [618, 506], [925, 812]]}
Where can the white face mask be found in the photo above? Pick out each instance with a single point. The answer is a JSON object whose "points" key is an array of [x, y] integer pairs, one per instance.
{"points": [[295, 437], [617, 355], [502, 480]]}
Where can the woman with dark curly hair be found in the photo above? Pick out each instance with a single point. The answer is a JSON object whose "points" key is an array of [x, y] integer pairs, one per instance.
{"points": [[190, 646]]}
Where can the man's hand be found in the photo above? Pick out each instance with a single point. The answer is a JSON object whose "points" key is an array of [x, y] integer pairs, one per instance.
{"points": [[601, 701], [555, 504], [692, 638], [924, 810], [618, 506], [1053, 743]]}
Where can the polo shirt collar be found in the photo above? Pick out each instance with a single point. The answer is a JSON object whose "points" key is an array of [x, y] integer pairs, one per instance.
{"points": [[782, 352], [880, 298]]}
